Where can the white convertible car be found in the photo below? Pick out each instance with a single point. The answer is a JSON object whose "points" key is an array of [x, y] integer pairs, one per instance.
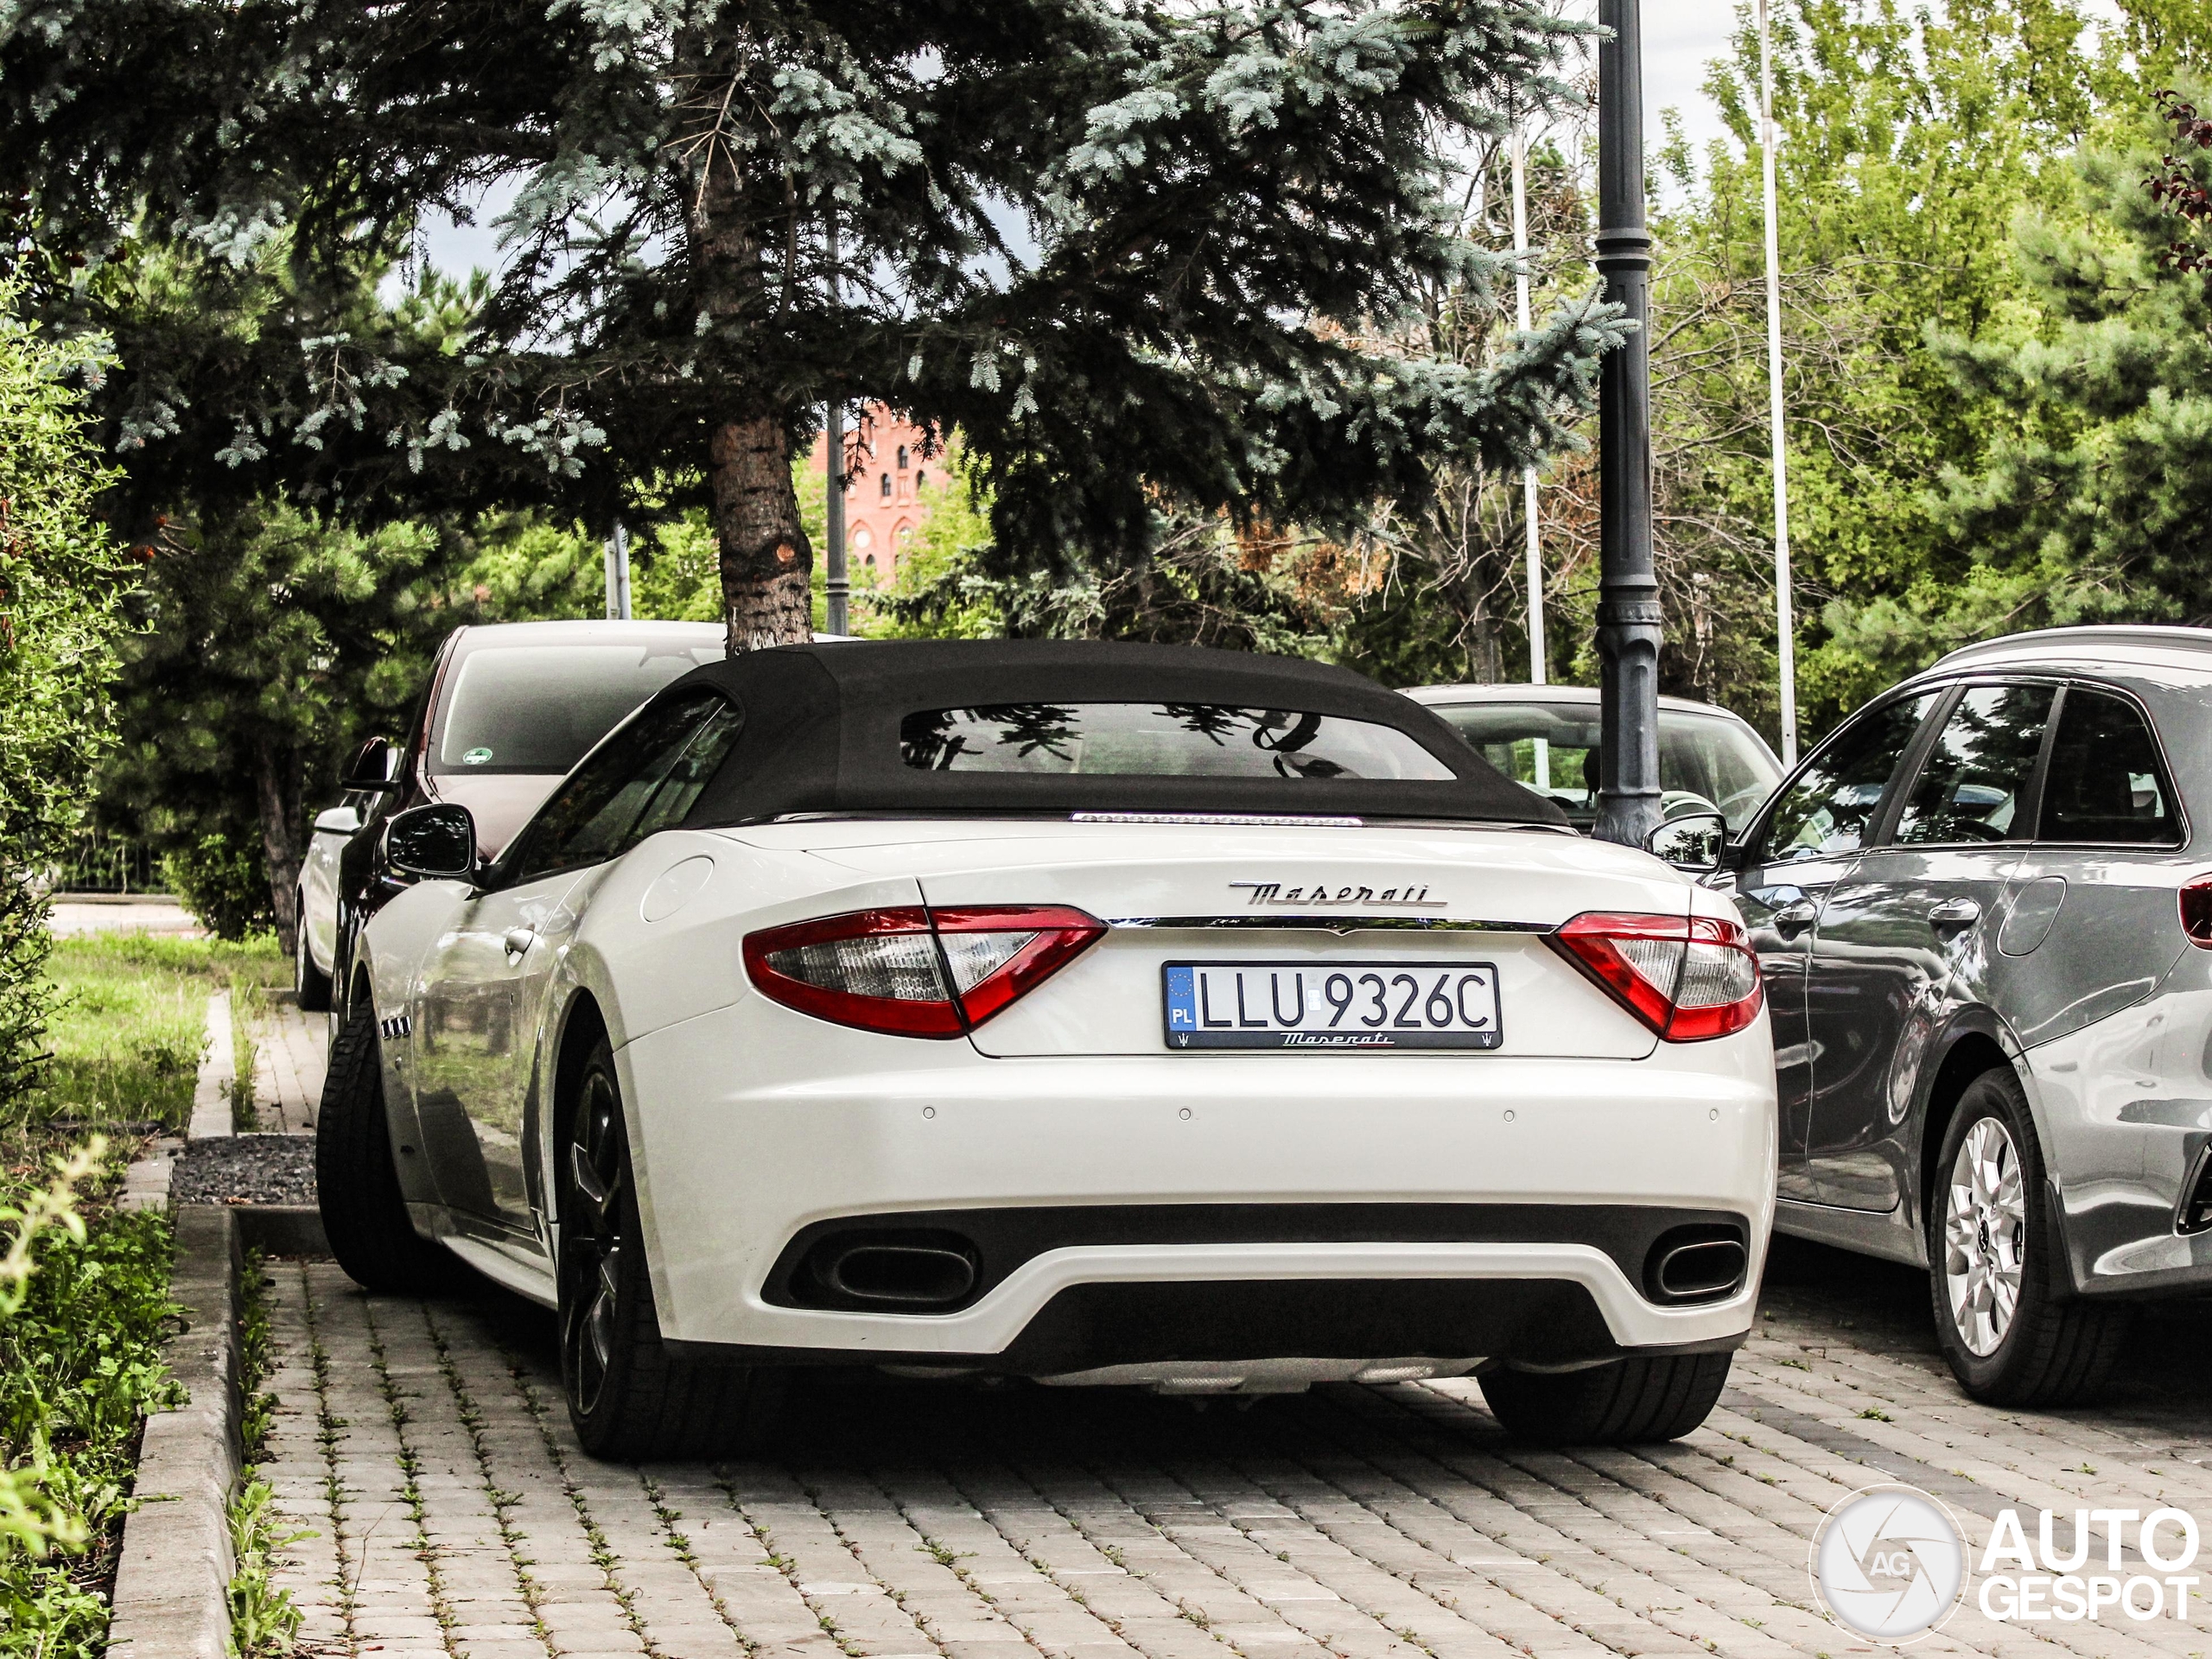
{"points": [[1092, 1013]]}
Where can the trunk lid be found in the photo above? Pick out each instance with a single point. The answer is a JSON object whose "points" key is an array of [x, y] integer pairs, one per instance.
{"points": [[1304, 900]]}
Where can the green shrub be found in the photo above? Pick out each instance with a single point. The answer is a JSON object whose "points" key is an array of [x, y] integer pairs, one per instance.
{"points": [[60, 584], [223, 883]]}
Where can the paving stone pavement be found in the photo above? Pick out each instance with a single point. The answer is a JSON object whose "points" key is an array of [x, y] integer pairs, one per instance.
{"points": [[290, 1057], [426, 1445]]}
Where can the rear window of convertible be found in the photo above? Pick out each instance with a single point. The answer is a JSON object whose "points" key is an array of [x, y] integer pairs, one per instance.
{"points": [[1165, 740]]}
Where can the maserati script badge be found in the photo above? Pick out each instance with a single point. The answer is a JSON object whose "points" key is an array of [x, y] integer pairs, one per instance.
{"points": [[1320, 893]]}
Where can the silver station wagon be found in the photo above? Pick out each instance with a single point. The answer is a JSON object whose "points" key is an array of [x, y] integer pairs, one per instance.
{"points": [[1984, 910]]}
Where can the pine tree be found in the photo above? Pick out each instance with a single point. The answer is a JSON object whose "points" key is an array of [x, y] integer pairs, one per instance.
{"points": [[1127, 250]]}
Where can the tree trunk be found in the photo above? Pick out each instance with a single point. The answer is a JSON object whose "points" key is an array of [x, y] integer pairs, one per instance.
{"points": [[767, 564], [275, 777]]}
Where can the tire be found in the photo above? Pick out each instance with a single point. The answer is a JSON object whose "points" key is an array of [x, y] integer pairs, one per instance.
{"points": [[1629, 1403], [363, 1216], [630, 1399], [310, 985], [2009, 1325]]}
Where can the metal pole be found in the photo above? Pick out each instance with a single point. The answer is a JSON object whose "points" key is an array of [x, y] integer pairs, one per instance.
{"points": [[1784, 610], [836, 614], [618, 574], [839, 585], [1525, 317], [1628, 588]]}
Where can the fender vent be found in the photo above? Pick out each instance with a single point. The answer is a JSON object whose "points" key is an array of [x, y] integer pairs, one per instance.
{"points": [[1703, 1263]]}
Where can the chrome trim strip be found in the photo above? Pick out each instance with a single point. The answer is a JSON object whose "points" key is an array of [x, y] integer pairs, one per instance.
{"points": [[1333, 924]]}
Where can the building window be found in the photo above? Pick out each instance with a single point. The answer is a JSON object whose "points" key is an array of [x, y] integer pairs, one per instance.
{"points": [[886, 486], [921, 481], [871, 569], [861, 539], [902, 457]]}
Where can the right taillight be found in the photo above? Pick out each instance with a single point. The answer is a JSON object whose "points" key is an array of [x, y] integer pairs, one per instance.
{"points": [[913, 972], [1688, 978], [2197, 912]]}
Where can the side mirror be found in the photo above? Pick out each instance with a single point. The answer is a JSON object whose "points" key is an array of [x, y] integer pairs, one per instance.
{"points": [[438, 842], [1693, 842], [373, 766], [337, 821]]}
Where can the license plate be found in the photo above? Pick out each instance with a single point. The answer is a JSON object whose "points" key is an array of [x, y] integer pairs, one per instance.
{"points": [[1332, 1005]]}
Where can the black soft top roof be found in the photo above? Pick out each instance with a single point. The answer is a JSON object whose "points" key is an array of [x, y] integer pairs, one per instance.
{"points": [[821, 733]]}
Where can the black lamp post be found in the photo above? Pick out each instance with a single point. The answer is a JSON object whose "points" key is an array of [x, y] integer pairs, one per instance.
{"points": [[1628, 588]]}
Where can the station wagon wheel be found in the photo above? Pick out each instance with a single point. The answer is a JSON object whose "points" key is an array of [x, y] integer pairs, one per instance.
{"points": [[1985, 1236], [591, 1241], [2006, 1317]]}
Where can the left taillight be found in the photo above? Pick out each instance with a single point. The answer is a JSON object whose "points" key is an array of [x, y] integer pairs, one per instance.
{"points": [[1688, 978], [913, 971]]}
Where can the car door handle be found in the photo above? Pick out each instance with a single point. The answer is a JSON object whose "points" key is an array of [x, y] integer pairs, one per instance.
{"points": [[519, 939], [1955, 914], [1794, 919]]}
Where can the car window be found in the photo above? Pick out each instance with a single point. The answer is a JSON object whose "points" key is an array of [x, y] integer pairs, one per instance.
{"points": [[539, 708], [1172, 740], [645, 780], [1552, 748], [2105, 783], [1831, 806], [1970, 787]]}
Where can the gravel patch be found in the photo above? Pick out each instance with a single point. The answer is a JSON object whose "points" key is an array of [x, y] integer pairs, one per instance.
{"points": [[245, 1169]]}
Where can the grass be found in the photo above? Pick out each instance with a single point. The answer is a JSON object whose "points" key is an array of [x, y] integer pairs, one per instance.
{"points": [[80, 1359], [79, 1366], [128, 1038]]}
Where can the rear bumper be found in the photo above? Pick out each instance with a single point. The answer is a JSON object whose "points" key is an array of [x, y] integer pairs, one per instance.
{"points": [[2124, 1109], [744, 1144], [1455, 1304]]}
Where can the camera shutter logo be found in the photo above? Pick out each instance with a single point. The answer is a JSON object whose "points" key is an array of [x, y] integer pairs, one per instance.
{"points": [[1890, 1563]]}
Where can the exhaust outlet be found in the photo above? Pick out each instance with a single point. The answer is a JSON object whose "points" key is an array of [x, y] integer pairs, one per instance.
{"points": [[891, 1270], [1701, 1264]]}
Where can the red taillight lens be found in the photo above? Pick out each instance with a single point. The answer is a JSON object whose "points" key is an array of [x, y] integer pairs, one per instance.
{"points": [[1688, 978], [917, 972], [2197, 912]]}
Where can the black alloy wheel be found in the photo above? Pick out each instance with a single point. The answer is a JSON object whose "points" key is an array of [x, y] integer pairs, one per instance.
{"points": [[629, 1397], [2010, 1326], [591, 1241]]}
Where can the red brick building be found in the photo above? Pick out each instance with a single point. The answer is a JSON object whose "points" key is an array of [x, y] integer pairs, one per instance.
{"points": [[884, 459]]}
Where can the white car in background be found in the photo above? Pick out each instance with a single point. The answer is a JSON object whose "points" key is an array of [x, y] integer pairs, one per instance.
{"points": [[1545, 737], [510, 708], [1093, 1013]]}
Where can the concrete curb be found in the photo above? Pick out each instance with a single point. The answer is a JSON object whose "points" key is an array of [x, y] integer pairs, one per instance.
{"points": [[173, 1579], [211, 1093]]}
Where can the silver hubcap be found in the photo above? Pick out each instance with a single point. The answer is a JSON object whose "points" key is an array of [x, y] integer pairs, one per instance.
{"points": [[1985, 1237]]}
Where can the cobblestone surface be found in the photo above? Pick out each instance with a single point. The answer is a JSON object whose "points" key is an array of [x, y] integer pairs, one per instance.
{"points": [[426, 1445]]}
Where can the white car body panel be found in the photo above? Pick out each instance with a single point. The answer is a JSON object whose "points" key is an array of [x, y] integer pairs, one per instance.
{"points": [[319, 884], [749, 1121]]}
